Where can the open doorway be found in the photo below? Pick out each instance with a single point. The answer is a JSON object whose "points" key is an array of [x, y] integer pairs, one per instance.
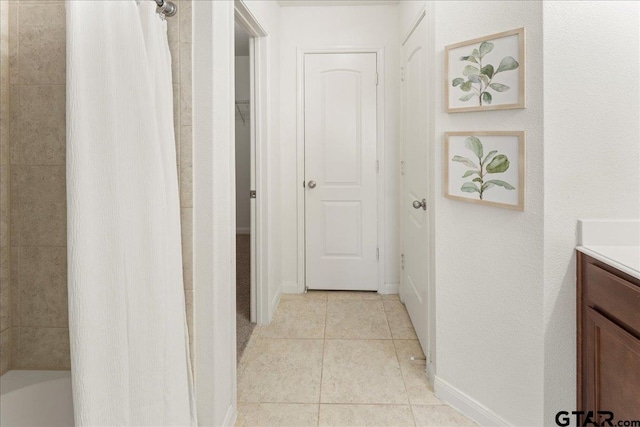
{"points": [[245, 191]]}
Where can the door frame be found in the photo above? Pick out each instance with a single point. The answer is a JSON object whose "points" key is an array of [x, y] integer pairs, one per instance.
{"points": [[300, 152], [214, 223], [257, 103], [427, 15]]}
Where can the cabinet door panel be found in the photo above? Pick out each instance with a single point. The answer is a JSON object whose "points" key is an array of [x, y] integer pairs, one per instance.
{"points": [[611, 368]]}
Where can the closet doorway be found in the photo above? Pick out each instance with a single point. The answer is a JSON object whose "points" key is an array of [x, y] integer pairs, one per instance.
{"points": [[245, 191]]}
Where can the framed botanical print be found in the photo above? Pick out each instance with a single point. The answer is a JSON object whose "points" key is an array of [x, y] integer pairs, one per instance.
{"points": [[487, 73], [486, 168]]}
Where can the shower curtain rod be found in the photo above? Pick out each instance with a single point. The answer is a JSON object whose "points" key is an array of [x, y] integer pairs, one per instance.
{"points": [[167, 8]]}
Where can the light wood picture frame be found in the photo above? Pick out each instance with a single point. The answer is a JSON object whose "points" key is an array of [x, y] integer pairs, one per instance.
{"points": [[486, 73], [486, 168]]}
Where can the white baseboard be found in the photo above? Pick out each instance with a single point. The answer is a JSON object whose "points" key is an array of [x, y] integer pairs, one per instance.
{"points": [[243, 230], [389, 289], [290, 288], [467, 405], [431, 374], [231, 416]]}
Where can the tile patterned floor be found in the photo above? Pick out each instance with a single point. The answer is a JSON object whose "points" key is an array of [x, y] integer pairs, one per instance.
{"points": [[338, 359]]}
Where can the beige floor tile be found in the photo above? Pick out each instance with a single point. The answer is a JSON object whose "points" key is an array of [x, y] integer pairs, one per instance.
{"points": [[244, 359], [301, 318], [365, 415], [277, 414], [393, 305], [406, 349], [333, 295], [413, 371], [417, 385], [400, 325], [395, 297], [361, 371], [306, 295], [438, 416], [282, 371], [356, 319]]}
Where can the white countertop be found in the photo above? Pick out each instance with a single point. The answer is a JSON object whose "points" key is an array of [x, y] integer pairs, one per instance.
{"points": [[624, 258], [614, 242]]}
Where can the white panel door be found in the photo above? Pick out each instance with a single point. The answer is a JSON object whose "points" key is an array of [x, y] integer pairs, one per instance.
{"points": [[415, 182], [340, 171]]}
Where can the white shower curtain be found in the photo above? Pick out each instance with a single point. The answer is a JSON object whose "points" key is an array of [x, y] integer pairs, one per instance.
{"points": [[129, 341]]}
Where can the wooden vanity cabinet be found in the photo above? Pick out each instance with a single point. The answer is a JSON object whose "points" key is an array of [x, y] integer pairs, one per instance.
{"points": [[608, 339]]}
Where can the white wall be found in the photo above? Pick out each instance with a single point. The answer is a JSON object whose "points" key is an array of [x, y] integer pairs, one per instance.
{"points": [[489, 260], [408, 13], [313, 27], [591, 157], [268, 15], [243, 148]]}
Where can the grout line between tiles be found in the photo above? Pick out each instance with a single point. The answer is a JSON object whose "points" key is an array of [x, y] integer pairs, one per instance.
{"points": [[324, 348]]}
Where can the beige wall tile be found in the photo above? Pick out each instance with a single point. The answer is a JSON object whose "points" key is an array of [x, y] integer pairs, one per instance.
{"points": [[173, 24], [174, 48], [4, 121], [14, 212], [186, 18], [362, 371], [186, 167], [185, 84], [42, 43], [42, 205], [43, 287], [176, 117], [15, 347], [13, 43], [186, 215], [365, 415], [14, 120], [15, 286], [4, 206], [5, 350], [43, 348], [42, 125], [5, 296], [186, 147], [188, 297], [277, 414]]}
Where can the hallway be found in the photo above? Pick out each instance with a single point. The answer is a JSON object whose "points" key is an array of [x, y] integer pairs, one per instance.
{"points": [[338, 358]]}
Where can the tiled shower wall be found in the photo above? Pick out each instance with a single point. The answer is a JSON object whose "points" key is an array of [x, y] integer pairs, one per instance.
{"points": [[5, 307], [37, 56]]}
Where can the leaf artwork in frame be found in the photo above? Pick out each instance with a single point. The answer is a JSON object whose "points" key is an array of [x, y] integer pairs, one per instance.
{"points": [[486, 167], [486, 73], [492, 163]]}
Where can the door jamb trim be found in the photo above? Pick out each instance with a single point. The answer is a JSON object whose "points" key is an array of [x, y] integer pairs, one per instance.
{"points": [[380, 144]]}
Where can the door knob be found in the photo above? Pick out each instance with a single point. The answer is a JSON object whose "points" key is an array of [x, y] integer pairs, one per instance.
{"points": [[312, 184], [417, 204]]}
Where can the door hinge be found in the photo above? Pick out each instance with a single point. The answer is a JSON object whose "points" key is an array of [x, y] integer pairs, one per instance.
{"points": [[252, 194], [402, 73], [377, 166], [377, 77], [378, 254], [402, 261], [402, 167]]}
